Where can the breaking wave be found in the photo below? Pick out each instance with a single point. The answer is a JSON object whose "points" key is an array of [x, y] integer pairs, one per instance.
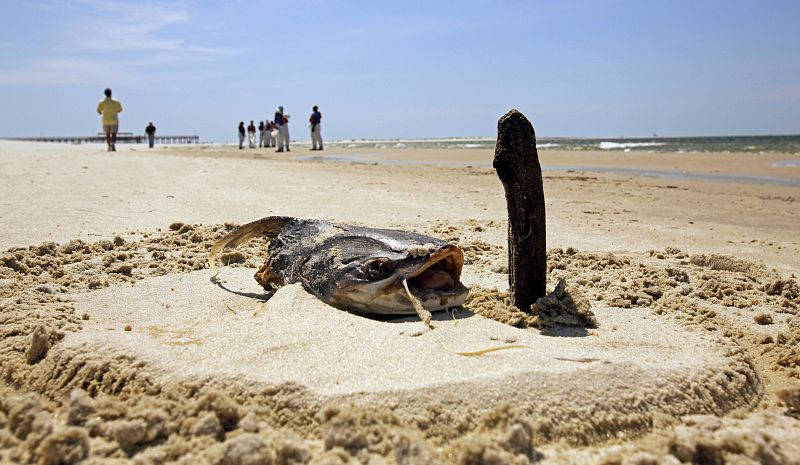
{"points": [[605, 145], [787, 163]]}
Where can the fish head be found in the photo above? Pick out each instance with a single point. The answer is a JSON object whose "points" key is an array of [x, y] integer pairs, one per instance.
{"points": [[365, 270]]}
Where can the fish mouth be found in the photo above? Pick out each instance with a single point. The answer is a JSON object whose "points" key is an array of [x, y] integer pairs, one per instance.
{"points": [[429, 286], [440, 273]]}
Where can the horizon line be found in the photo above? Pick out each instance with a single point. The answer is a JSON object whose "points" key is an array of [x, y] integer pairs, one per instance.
{"points": [[446, 138]]}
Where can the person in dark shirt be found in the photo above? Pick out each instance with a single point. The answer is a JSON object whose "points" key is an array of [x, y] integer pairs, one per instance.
{"points": [[262, 129], [150, 131], [316, 132], [241, 135]]}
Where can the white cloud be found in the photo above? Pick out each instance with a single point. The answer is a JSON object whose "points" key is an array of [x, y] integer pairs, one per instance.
{"points": [[113, 40], [54, 71], [114, 26]]}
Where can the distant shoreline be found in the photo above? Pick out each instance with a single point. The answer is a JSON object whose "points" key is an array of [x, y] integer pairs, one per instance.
{"points": [[789, 144], [748, 144]]}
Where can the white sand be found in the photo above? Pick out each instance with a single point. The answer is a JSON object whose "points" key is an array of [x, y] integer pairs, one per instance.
{"points": [[700, 349], [187, 326]]}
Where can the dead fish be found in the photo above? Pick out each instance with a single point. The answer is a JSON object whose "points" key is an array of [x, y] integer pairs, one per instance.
{"points": [[357, 269]]}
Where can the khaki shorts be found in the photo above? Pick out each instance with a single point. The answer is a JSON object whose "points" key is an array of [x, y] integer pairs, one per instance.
{"points": [[110, 128]]}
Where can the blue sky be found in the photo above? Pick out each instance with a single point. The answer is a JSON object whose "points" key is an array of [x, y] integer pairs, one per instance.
{"points": [[403, 69]]}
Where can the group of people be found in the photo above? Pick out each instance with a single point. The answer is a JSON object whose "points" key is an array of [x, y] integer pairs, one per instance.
{"points": [[268, 134], [275, 133], [110, 108]]}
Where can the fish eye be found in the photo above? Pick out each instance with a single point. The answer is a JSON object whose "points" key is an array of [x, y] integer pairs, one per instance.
{"points": [[379, 268]]}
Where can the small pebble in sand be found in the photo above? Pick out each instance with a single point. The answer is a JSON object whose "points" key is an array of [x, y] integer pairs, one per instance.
{"points": [[128, 328], [411, 333], [85, 316], [506, 339], [763, 319], [40, 344], [45, 289]]}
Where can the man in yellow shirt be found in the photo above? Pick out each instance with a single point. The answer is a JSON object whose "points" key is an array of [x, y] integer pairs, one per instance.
{"points": [[110, 108]]}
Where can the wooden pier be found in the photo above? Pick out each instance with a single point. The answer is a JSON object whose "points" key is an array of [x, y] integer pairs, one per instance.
{"points": [[122, 138]]}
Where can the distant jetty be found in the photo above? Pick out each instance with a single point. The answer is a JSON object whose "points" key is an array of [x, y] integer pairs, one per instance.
{"points": [[122, 137]]}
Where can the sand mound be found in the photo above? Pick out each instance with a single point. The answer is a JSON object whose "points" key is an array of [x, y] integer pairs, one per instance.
{"points": [[188, 327], [121, 350]]}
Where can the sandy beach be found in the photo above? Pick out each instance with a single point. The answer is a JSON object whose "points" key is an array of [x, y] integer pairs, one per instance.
{"points": [[116, 348]]}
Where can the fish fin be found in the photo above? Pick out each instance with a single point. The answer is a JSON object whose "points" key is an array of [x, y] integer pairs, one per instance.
{"points": [[269, 226]]}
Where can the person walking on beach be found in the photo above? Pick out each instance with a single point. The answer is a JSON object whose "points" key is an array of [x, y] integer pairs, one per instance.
{"points": [[251, 135], [316, 135], [262, 130], [241, 135], [150, 131], [110, 108], [282, 124]]}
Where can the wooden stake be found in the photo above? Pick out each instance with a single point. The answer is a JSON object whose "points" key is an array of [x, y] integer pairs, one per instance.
{"points": [[517, 164]]}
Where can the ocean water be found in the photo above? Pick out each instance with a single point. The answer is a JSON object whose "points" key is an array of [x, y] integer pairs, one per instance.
{"points": [[754, 144], [373, 159]]}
